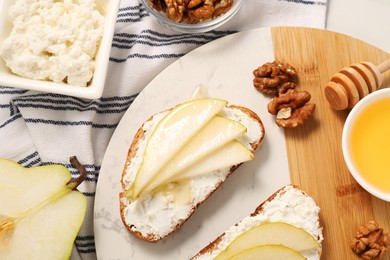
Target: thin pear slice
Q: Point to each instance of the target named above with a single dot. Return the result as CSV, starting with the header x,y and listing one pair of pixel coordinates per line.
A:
x,y
40,213
268,252
172,132
232,153
210,138
271,233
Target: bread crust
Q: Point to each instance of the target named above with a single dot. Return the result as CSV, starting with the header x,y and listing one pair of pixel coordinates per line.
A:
x,y
131,153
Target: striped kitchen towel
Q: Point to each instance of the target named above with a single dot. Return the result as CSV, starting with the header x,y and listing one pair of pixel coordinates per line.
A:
x,y
41,128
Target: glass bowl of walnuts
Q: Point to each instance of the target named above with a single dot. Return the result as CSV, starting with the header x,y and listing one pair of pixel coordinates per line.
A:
x,y
192,16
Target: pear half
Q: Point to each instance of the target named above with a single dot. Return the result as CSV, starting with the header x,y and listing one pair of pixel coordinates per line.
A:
x,y
278,233
216,133
268,252
40,212
172,132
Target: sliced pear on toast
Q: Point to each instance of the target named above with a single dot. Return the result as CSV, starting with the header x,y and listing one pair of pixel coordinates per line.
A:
x,y
279,233
215,134
268,252
232,153
172,132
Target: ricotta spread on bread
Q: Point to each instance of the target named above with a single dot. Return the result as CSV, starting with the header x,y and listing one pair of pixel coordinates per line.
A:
x,y
154,216
290,205
53,40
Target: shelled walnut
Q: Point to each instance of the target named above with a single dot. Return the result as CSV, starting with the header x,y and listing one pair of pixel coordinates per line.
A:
x,y
370,241
192,11
274,78
280,80
291,108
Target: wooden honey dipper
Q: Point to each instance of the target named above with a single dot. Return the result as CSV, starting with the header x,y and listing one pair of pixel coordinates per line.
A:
x,y
354,82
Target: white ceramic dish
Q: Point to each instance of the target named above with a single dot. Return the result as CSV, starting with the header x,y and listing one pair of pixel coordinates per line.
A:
x,y
95,89
355,112
213,65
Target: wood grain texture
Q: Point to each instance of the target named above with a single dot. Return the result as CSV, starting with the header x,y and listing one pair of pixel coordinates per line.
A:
x,y
314,150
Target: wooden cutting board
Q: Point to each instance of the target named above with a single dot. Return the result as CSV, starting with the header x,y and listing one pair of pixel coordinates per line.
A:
x,y
314,151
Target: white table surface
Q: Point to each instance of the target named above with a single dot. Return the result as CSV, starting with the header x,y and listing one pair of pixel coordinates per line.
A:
x,y
367,20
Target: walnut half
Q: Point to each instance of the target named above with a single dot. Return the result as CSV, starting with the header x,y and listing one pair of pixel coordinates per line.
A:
x,y
291,108
370,242
273,78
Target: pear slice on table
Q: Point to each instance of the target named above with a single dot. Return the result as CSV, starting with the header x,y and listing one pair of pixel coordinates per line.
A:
x,y
268,252
279,233
172,132
216,133
40,212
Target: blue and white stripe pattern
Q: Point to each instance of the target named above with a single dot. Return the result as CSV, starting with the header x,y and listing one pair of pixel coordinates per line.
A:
x,y
41,128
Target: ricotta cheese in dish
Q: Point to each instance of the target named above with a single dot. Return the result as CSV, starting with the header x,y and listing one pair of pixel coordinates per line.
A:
x,y
53,40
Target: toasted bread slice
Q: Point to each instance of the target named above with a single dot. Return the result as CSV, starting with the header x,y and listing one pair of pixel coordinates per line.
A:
x,y
154,216
290,205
